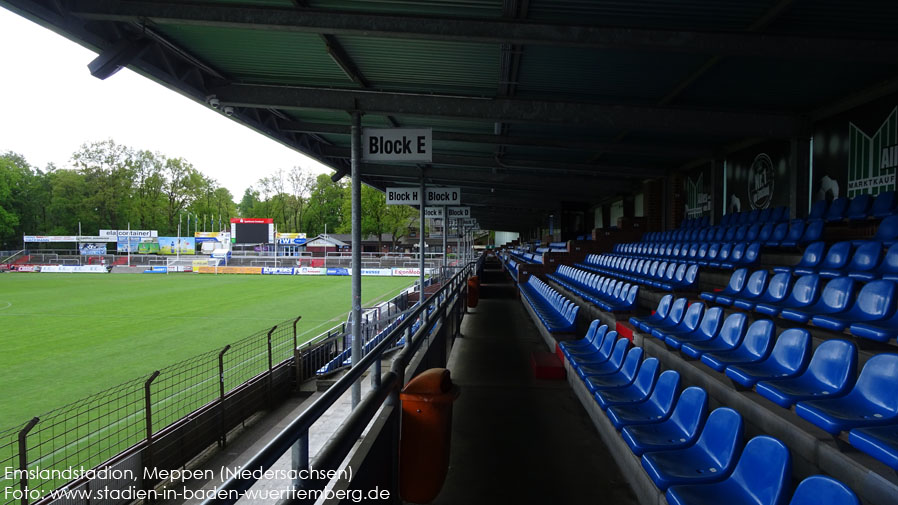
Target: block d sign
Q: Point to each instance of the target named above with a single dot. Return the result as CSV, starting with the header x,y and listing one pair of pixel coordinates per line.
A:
x,y
458,212
397,144
432,196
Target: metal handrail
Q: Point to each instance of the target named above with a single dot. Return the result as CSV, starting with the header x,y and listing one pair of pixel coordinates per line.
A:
x,y
338,446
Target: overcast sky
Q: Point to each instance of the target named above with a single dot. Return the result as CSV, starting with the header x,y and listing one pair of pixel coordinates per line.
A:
x,y
50,105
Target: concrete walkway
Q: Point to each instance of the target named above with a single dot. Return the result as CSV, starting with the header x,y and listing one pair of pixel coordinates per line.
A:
x,y
516,439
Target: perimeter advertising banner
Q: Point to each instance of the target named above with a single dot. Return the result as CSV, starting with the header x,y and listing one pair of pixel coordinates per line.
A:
x,y
148,246
277,271
291,238
309,271
337,271
410,272
378,272
228,270
175,245
74,269
92,249
125,244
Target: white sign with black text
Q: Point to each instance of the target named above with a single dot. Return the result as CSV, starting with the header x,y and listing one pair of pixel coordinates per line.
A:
x,y
433,212
397,144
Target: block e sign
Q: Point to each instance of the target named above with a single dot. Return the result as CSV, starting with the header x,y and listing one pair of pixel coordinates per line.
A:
x,y
397,144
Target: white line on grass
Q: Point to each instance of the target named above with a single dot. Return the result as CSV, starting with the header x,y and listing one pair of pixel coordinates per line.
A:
x,y
8,305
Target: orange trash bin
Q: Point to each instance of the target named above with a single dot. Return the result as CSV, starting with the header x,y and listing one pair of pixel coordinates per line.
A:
x,y
473,291
426,433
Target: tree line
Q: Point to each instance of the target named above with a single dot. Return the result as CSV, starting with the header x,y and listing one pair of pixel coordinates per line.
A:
x,y
110,186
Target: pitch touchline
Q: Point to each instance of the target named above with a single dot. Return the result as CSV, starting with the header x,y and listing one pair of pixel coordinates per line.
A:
x,y
8,305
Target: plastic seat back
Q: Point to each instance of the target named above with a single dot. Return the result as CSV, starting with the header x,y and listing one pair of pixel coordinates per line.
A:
x,y
805,291
818,210
752,253
713,250
813,255
691,410
741,232
719,233
759,338
823,490
779,233
792,350
834,364
887,230
777,289
733,328
866,257
859,207
693,316
632,363
663,306
837,295
837,256
764,216
677,311
796,230
711,322
737,281
764,471
731,232
755,284
836,210
665,392
738,252
766,232
780,214
722,435
647,375
753,231
889,266
813,232
883,205
877,380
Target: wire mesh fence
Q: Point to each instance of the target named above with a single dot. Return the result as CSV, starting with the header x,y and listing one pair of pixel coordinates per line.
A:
x,y
54,448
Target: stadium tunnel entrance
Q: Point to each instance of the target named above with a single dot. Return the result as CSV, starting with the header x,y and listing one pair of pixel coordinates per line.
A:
x,y
699,207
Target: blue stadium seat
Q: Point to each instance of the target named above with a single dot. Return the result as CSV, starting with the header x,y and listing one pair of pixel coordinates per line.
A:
x,y
751,255
872,401
680,430
674,316
711,459
809,262
713,251
609,345
637,391
706,330
761,477
881,442
837,258
655,409
725,220
831,373
752,234
590,342
754,288
729,337
796,231
789,358
822,490
725,250
862,265
804,293
883,205
735,256
887,231
689,323
812,233
619,378
660,313
780,214
888,268
754,348
778,235
836,296
881,331
766,232
859,208
875,301
764,216
612,365
836,210
732,289
818,210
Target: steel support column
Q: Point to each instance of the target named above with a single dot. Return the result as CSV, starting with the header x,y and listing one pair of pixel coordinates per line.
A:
x,y
356,251
421,242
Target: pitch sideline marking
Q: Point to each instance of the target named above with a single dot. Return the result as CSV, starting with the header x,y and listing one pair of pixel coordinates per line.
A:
x,y
8,305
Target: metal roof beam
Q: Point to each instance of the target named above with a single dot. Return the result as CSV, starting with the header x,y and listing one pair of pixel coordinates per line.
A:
x,y
487,30
517,110
645,149
535,166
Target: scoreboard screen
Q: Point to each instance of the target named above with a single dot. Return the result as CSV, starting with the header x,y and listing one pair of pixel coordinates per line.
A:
x,y
252,231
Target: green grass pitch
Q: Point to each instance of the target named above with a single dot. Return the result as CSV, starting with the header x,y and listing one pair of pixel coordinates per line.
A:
x,y
65,336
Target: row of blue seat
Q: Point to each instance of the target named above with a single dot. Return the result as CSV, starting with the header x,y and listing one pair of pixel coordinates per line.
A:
x,y
693,456
868,261
859,208
768,215
823,386
557,313
511,266
605,292
345,357
726,255
668,276
792,233
525,256
871,312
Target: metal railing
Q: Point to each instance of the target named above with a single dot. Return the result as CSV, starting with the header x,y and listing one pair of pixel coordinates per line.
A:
x,y
126,420
428,317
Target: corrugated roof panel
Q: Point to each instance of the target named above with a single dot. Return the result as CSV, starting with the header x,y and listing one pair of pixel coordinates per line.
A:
x,y
779,84
257,56
463,148
864,19
669,14
452,8
561,131
573,72
437,66
444,124
335,117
